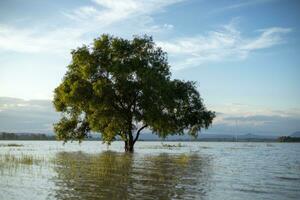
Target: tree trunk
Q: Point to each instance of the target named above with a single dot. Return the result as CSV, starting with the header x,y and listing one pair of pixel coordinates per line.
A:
x,y
129,143
129,146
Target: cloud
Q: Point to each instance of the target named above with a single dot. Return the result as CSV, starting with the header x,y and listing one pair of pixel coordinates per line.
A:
x,y
136,14
243,119
262,124
35,116
36,41
238,109
225,43
82,13
128,17
268,38
242,4
84,22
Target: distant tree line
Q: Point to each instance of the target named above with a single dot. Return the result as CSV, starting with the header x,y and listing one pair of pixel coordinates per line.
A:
x,y
25,136
34,136
288,139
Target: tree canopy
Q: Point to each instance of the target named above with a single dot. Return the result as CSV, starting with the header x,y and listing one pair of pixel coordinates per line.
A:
x,y
118,87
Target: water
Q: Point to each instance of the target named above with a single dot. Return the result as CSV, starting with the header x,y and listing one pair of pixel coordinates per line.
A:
x,y
192,170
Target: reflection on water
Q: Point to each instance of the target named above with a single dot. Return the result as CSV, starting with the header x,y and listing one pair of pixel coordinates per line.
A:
x,y
111,175
195,170
84,176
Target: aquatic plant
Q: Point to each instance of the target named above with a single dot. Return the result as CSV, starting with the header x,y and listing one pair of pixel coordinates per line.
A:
x,y
12,162
172,145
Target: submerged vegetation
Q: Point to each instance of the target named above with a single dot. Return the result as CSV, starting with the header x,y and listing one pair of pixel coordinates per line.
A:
x,y
172,145
26,159
11,163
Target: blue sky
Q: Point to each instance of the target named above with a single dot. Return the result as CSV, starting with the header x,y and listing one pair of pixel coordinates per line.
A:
x,y
243,54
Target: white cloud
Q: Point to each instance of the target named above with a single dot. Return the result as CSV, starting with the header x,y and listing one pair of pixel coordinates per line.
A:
x,y
18,115
269,37
114,10
137,14
242,4
35,41
100,17
158,28
243,118
128,17
250,114
226,43
82,13
237,109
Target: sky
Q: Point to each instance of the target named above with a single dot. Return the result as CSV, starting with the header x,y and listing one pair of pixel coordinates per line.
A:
x,y
243,54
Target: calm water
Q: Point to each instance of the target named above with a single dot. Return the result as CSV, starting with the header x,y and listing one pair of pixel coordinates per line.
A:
x,y
205,170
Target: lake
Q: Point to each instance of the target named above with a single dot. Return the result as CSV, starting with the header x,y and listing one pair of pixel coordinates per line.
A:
x,y
168,170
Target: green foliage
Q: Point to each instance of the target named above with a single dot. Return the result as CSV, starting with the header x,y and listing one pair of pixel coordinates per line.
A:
x,y
116,85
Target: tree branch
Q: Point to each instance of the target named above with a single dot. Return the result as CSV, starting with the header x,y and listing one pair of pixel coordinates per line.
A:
x,y
133,102
138,133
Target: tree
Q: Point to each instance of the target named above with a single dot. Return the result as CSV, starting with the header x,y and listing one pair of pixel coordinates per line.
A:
x,y
119,87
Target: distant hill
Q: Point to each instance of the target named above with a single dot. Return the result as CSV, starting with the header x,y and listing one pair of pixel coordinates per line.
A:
x,y
295,134
249,137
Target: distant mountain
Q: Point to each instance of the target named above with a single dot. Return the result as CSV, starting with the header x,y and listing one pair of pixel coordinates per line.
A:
x,y
249,137
295,134
254,136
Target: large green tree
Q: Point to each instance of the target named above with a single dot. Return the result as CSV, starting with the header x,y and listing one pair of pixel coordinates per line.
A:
x,y
119,87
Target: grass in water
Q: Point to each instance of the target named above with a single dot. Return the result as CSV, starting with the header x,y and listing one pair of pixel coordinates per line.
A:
x,y
11,164
172,145
10,160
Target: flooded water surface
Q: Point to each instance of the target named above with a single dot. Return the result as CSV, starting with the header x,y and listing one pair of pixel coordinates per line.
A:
x,y
169,170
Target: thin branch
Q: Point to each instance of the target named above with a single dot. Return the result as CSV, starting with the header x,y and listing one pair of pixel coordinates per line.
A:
x,y
138,133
